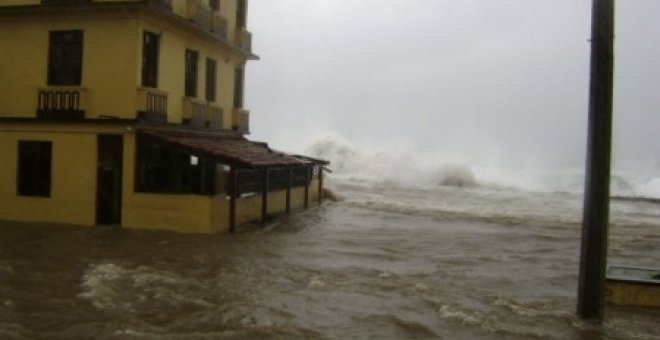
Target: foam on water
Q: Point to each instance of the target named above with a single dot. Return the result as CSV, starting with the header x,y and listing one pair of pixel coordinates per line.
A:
x,y
369,166
107,287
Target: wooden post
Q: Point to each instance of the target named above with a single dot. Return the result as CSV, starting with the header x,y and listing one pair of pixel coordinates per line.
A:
x,y
593,259
264,196
306,187
320,184
288,190
233,193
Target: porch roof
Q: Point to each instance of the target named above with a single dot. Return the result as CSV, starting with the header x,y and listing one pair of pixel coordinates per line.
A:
x,y
229,148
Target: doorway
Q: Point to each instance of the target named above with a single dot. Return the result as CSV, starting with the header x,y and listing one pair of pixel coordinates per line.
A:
x,y
109,179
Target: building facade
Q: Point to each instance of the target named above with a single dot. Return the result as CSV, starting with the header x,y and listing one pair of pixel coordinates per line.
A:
x,y
130,113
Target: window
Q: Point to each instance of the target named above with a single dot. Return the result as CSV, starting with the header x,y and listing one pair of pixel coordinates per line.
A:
x,y
211,75
150,47
34,168
65,57
215,4
238,88
191,73
163,169
241,13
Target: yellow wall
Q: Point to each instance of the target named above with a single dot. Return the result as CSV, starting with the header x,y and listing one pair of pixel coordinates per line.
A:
x,y
111,76
112,52
73,176
73,191
109,63
182,213
173,45
248,209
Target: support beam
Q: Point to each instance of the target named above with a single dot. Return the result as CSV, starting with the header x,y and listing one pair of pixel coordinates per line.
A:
x,y
288,190
233,194
320,184
593,259
264,196
306,187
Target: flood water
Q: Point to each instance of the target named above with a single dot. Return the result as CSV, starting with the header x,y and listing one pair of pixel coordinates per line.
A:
x,y
386,262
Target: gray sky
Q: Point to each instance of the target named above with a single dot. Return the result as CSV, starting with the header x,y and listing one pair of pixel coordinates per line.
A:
x,y
476,81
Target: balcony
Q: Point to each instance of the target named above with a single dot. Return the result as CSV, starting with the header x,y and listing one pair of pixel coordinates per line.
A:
x,y
61,103
241,121
214,117
200,14
244,39
152,105
219,25
194,112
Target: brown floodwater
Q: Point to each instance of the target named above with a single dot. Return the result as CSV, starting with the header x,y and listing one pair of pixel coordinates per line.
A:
x,y
361,268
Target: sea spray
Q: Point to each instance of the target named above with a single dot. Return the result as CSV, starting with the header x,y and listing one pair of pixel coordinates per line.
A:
x,y
370,166
402,167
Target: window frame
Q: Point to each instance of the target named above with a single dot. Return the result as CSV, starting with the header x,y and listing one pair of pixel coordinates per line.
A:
x,y
239,86
191,73
211,79
34,168
65,57
150,59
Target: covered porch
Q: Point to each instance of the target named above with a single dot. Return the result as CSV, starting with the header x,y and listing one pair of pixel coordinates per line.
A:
x,y
215,181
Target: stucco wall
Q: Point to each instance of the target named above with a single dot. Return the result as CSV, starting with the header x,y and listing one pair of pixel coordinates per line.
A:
x,y
110,63
112,57
73,178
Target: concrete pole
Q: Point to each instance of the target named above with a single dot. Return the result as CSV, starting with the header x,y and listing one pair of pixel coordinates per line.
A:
x,y
593,259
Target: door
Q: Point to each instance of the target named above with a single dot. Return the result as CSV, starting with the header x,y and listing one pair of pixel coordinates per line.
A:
x,y
109,179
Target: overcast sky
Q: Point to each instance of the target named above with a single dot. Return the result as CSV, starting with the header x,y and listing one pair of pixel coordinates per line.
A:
x,y
477,81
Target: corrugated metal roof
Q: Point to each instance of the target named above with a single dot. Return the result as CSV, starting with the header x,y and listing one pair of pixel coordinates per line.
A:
x,y
228,148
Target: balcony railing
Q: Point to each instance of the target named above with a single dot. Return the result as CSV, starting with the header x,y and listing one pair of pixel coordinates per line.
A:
x,y
219,25
200,14
214,117
152,105
194,112
61,103
244,39
241,121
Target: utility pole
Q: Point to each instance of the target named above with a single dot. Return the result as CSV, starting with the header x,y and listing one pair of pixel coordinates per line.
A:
x,y
593,259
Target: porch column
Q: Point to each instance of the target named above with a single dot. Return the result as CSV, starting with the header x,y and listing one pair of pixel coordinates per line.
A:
x,y
233,193
288,190
264,196
306,187
320,184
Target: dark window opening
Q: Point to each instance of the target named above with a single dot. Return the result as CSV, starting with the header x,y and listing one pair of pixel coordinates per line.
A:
x,y
150,48
164,169
191,73
211,75
65,57
215,4
238,88
34,168
241,14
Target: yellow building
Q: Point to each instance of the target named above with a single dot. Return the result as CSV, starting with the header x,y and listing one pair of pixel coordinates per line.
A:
x,y
130,112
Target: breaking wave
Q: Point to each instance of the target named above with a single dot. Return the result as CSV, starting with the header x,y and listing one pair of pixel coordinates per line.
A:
x,y
371,166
